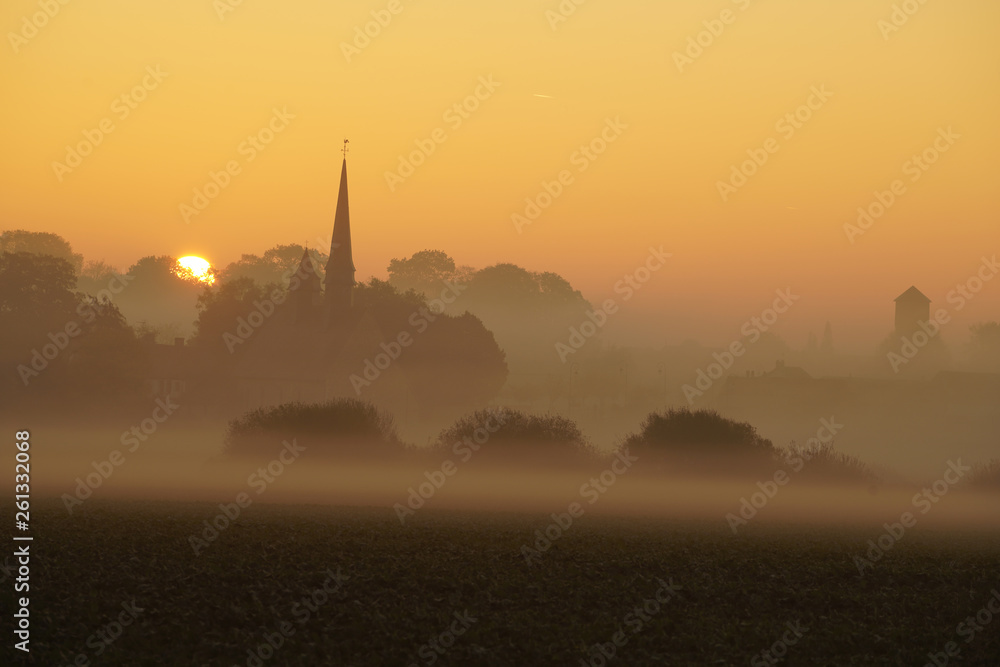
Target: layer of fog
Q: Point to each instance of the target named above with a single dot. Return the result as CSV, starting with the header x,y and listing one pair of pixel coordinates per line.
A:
x,y
183,462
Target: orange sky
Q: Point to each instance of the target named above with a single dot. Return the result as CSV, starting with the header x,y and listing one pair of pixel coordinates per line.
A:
x,y
656,184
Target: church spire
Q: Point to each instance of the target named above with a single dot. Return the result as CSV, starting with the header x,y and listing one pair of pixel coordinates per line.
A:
x,y
340,267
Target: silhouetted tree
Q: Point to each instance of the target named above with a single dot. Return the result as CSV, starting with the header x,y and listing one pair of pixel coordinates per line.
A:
x,y
40,243
387,303
425,272
36,299
32,286
219,309
107,359
96,276
528,312
276,266
157,296
60,344
452,360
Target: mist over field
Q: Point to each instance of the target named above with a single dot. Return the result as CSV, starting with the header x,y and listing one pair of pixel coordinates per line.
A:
x,y
186,460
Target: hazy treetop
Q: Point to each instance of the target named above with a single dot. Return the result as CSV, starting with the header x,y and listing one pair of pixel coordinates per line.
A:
x,y
40,243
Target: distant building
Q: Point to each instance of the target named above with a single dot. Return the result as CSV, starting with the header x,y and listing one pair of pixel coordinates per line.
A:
x,y
912,308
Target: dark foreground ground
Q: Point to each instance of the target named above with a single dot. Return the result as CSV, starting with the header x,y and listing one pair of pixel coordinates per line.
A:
x,y
790,589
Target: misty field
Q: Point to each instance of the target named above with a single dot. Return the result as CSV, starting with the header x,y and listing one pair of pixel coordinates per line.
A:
x,y
351,586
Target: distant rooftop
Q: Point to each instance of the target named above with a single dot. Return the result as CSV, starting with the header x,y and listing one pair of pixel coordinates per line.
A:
x,y
913,294
782,371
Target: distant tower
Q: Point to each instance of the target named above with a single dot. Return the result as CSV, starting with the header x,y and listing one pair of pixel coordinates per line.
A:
x,y
308,296
340,268
912,308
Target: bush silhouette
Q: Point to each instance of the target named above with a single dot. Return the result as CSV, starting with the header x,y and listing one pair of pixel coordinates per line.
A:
x,y
698,438
344,427
509,435
986,475
825,463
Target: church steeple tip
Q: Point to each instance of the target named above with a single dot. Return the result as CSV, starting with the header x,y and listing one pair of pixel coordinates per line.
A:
x,y
340,267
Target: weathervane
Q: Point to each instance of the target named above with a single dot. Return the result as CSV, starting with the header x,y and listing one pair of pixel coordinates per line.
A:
x,y
345,149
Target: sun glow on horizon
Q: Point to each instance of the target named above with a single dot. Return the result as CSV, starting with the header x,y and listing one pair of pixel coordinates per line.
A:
x,y
195,268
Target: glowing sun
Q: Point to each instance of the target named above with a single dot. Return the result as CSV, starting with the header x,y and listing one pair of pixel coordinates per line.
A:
x,y
196,269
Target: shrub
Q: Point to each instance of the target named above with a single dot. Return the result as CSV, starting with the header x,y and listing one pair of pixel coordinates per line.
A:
x,y
512,435
344,426
986,475
825,463
700,441
689,436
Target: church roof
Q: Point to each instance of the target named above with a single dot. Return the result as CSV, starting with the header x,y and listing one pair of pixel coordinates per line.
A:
x,y
912,294
308,278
